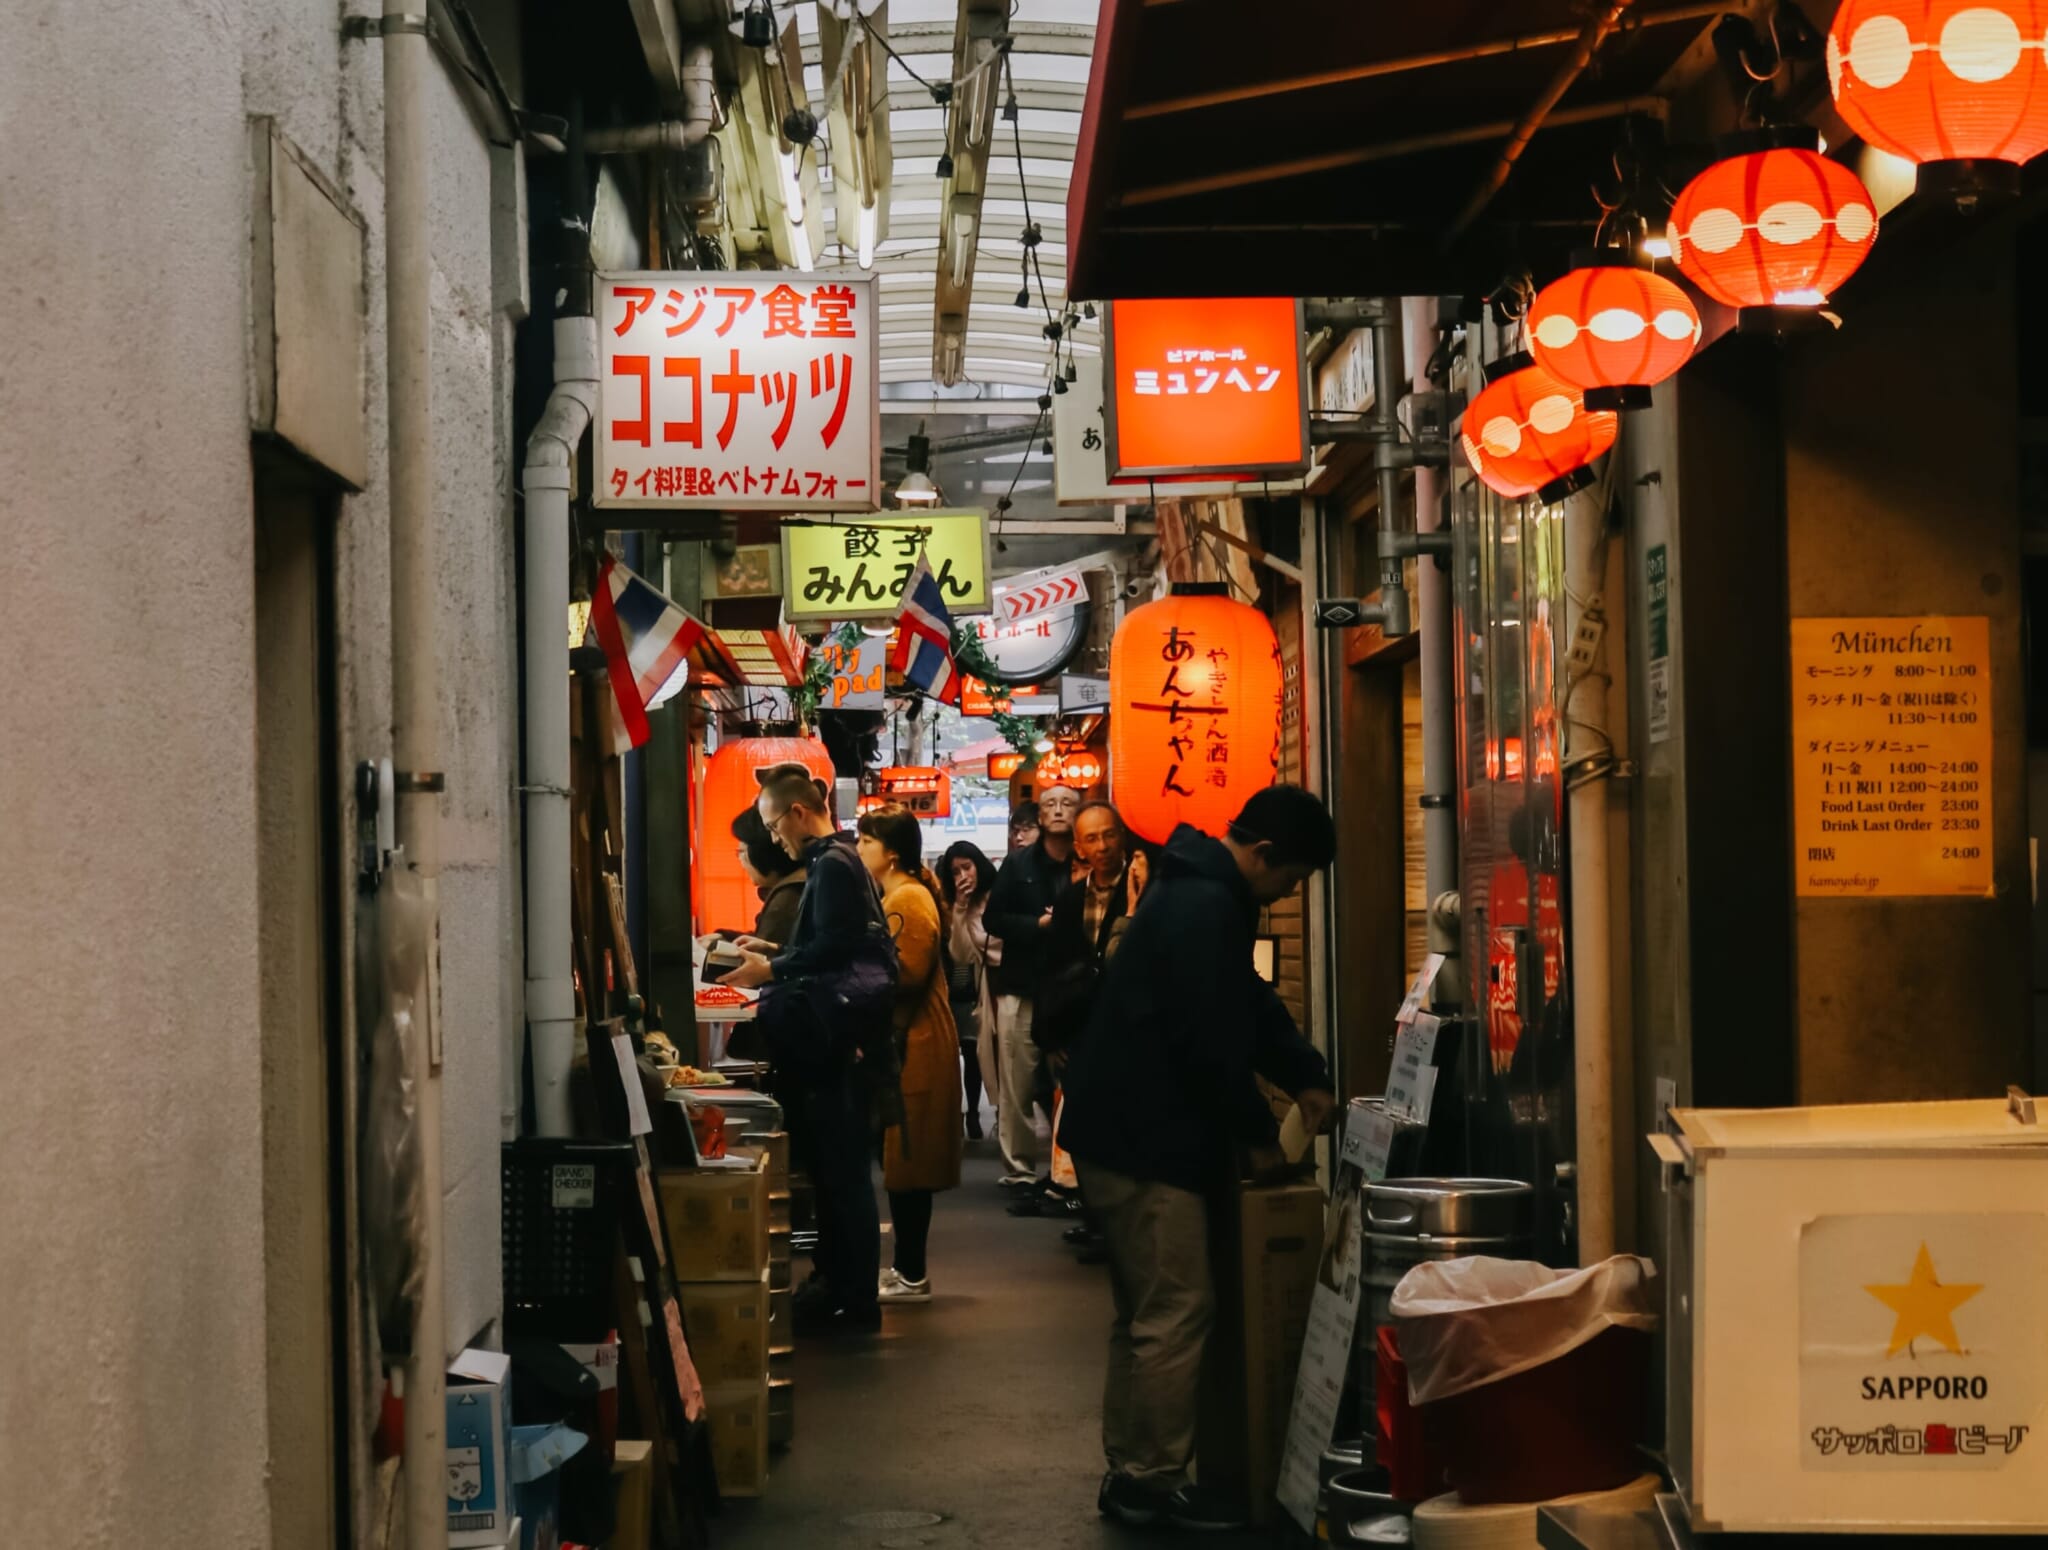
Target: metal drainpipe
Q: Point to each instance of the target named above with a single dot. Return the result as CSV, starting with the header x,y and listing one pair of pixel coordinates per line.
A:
x,y
548,473
415,710
1439,703
1388,456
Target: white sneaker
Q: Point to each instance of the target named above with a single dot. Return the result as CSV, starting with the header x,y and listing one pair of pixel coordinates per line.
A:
x,y
891,1287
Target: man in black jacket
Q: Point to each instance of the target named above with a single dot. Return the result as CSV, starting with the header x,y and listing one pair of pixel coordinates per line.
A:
x,y
1020,913
1159,1094
834,922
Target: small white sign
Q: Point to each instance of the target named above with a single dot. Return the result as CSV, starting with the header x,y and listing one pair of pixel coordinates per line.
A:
x,y
638,1122
1418,988
1368,1142
1412,1080
1078,692
574,1186
1040,594
1325,1360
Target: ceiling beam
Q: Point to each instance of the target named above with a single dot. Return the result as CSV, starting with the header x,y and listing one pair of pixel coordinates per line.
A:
x,y
1382,150
1373,69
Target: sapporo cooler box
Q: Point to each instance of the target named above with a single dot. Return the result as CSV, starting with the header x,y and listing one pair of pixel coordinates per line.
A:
x,y
1858,1318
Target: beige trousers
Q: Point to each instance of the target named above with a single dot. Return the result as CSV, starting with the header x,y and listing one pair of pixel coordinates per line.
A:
x,y
1158,1242
1019,1056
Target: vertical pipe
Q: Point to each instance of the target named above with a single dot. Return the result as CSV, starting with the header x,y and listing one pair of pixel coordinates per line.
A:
x,y
415,711
1587,761
1387,379
550,466
1439,704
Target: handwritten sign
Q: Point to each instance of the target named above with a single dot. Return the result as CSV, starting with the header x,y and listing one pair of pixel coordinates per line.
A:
x,y
1891,756
756,391
858,570
1412,1081
860,674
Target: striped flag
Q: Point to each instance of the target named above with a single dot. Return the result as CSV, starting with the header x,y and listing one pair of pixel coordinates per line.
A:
x,y
647,642
924,637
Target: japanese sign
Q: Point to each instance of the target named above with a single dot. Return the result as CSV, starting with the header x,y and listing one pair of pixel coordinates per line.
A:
x,y
737,392
1080,453
980,699
1891,756
858,570
1657,618
925,789
1920,1343
1412,1081
1206,386
860,674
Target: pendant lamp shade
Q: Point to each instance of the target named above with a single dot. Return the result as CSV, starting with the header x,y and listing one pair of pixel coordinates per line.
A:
x,y
1195,689
720,894
1612,329
1773,224
1945,82
1530,433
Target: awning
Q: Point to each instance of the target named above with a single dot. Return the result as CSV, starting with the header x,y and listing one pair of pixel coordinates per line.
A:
x,y
1327,148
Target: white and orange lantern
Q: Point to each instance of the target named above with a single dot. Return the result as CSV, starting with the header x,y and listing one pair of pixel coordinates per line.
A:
x,y
1613,329
1773,227
1957,87
1530,433
1195,688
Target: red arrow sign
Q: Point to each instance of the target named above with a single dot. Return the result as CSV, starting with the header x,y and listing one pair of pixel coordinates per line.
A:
x,y
1028,597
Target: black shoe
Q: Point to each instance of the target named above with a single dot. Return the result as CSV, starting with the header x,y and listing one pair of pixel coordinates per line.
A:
x,y
1204,1511
1131,1501
841,1320
1102,1492
1078,1236
1027,1205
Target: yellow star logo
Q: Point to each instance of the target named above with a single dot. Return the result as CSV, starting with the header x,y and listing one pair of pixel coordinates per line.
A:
x,y
1924,1306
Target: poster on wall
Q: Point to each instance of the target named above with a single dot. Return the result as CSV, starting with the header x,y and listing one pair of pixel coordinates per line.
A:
x,y
738,392
1891,757
1919,1342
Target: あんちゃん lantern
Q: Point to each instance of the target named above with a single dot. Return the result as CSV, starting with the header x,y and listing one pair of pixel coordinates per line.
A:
x,y
1612,328
1528,433
1773,227
1195,689
1958,87
720,894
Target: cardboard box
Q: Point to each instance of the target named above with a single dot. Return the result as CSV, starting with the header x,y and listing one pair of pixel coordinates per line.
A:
x,y
717,1222
738,1415
778,1260
776,1145
1268,1244
633,1496
727,1323
778,1212
479,1436
781,1412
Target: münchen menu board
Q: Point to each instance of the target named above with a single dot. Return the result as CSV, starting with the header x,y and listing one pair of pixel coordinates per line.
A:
x,y
1891,755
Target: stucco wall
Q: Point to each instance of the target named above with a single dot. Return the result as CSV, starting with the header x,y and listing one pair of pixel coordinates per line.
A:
x,y
132,1402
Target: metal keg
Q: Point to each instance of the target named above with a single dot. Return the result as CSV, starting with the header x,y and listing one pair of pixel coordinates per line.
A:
x,y
1409,1221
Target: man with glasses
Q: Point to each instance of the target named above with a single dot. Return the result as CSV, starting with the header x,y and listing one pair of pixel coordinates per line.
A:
x,y
835,924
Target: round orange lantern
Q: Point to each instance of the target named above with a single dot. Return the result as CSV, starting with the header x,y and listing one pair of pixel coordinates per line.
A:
x,y
1612,328
1530,433
1195,688
1773,227
721,896
1959,87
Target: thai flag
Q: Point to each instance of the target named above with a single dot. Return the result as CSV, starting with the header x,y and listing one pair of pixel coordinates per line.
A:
x,y
924,637
647,642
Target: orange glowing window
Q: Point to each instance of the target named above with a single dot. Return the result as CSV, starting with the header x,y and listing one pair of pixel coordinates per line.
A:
x,y
1205,386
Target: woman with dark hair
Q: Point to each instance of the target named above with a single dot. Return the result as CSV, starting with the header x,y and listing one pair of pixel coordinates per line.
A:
x,y
965,878
921,1156
777,876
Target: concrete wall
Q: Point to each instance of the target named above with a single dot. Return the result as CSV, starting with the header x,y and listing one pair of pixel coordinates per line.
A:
x,y
132,1248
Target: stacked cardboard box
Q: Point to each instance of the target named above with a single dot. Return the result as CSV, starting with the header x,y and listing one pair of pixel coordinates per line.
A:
x,y
1269,1244
718,1230
781,1329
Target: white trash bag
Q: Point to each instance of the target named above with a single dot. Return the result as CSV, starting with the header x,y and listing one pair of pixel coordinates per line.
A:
x,y
1463,1323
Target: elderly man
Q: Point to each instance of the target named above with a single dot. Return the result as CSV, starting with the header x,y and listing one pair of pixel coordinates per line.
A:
x,y
1020,913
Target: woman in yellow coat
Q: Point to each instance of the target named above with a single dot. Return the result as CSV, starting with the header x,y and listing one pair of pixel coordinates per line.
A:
x,y
921,1156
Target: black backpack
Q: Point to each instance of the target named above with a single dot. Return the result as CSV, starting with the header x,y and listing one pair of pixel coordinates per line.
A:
x,y
814,1027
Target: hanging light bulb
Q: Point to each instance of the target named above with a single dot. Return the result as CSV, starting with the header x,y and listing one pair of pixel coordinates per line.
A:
x,y
917,488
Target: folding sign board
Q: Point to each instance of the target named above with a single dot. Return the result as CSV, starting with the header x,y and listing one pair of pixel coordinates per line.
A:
x,y
923,788
858,570
738,392
1205,386
1080,454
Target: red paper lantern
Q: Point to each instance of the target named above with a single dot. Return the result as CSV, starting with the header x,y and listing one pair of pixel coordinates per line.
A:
x,y
1774,227
1613,329
1959,87
1195,689
720,894
1530,433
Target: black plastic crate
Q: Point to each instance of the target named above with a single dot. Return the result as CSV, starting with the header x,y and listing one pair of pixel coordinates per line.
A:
x,y
562,1201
